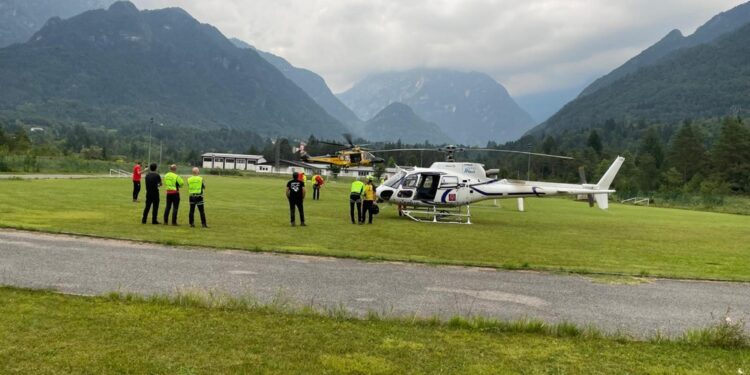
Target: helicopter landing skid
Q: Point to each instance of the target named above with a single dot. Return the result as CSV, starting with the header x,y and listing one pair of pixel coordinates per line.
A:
x,y
441,216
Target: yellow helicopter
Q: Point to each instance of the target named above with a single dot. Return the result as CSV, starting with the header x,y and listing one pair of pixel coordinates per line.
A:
x,y
350,156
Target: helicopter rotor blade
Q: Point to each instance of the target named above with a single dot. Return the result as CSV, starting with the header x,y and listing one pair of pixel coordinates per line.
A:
x,y
406,149
519,152
332,143
348,137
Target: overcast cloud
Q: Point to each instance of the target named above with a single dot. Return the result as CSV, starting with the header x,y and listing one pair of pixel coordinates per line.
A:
x,y
530,46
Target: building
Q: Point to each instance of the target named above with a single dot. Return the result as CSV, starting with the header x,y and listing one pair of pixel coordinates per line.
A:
x,y
232,161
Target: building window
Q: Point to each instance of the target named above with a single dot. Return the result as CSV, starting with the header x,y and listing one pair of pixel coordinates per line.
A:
x,y
207,160
230,160
363,173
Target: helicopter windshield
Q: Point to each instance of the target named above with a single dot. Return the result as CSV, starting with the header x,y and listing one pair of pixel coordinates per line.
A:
x,y
395,180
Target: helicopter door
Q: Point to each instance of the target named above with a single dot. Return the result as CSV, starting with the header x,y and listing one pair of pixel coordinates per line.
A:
x,y
428,187
356,158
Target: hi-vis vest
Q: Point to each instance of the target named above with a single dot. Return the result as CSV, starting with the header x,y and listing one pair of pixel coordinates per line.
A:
x,y
357,187
172,181
195,185
315,179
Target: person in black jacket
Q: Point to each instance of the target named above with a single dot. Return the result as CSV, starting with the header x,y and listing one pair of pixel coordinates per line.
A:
x,y
153,181
295,193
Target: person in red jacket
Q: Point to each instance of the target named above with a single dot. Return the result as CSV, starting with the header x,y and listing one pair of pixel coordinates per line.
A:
x,y
137,173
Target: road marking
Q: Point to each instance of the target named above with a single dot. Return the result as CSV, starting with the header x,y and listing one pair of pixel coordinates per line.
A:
x,y
492,295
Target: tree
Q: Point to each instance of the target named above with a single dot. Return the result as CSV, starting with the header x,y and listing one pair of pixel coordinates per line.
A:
x,y
595,142
651,143
21,141
687,153
335,170
731,155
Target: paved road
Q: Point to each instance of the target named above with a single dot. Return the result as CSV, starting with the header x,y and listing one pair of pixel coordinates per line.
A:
x,y
93,266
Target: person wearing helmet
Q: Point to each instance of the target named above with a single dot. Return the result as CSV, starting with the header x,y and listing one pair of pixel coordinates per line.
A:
x,y
355,199
295,193
368,201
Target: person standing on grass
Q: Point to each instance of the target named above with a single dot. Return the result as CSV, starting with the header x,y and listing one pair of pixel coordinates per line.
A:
x,y
368,201
317,182
136,180
172,183
196,188
153,181
295,193
355,199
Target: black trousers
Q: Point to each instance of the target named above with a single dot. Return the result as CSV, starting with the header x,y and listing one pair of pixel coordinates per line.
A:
x,y
151,201
197,201
296,203
173,200
316,192
136,189
366,208
355,200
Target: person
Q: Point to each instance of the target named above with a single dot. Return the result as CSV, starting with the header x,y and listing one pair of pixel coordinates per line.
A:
x,y
172,183
368,201
137,173
355,199
317,182
153,181
295,193
196,188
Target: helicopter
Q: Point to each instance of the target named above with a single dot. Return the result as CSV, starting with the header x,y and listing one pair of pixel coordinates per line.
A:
x,y
350,156
444,192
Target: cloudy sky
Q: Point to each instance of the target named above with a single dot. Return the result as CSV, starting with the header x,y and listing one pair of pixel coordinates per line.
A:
x,y
530,46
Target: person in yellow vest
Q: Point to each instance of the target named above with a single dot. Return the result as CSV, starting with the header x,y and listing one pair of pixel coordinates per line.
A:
x,y
368,201
172,183
355,199
317,182
196,188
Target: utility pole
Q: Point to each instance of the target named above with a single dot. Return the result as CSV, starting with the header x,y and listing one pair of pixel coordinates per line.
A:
x,y
528,166
150,125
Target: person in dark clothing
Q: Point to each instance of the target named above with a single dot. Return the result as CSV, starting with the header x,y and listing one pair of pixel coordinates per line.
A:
x,y
295,193
153,181
172,183
136,180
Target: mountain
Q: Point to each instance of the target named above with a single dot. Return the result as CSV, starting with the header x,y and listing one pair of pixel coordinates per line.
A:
x,y
122,65
543,105
717,26
20,19
471,108
709,80
310,82
398,121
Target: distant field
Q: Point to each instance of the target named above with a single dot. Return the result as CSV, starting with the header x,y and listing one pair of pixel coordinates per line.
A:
x,y
554,234
45,333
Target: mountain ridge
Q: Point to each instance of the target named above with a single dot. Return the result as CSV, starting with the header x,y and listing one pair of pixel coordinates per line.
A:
x,y
470,107
123,64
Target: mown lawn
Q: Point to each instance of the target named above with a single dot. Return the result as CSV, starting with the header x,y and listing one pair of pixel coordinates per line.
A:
x,y
45,333
554,234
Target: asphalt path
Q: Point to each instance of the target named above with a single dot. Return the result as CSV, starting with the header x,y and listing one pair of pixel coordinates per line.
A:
x,y
89,266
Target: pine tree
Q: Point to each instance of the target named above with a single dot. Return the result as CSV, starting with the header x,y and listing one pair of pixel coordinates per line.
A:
x,y
687,153
595,142
731,155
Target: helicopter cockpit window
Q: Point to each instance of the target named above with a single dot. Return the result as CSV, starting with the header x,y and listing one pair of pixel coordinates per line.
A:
x,y
411,181
394,181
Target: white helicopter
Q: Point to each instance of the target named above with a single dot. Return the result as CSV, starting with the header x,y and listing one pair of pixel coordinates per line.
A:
x,y
439,193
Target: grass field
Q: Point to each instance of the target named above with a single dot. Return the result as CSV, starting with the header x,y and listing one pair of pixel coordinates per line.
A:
x,y
554,234
45,333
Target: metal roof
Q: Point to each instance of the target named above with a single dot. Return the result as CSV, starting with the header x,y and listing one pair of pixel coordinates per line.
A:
x,y
236,156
